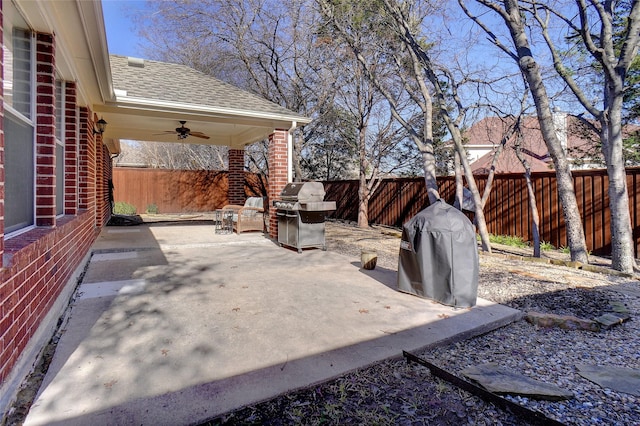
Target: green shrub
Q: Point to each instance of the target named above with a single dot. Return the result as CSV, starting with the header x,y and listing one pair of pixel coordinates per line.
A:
x,y
508,240
152,209
545,246
124,208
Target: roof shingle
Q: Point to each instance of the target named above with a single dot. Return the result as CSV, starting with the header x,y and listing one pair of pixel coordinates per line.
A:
x,y
169,82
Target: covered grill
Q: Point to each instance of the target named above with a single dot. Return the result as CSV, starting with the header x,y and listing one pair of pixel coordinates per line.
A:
x,y
439,256
301,212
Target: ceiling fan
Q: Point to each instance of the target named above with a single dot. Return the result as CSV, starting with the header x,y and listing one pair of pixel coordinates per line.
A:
x,y
184,132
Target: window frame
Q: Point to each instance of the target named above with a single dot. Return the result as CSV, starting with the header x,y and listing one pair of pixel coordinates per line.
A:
x,y
60,146
12,113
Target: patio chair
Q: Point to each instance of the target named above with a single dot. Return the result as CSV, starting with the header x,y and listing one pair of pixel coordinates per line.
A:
x,y
250,217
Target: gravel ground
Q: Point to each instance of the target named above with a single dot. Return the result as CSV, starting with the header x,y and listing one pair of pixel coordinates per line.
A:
x,y
397,393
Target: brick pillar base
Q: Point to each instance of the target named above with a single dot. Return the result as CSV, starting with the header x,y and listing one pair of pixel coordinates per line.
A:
x,y
236,177
277,174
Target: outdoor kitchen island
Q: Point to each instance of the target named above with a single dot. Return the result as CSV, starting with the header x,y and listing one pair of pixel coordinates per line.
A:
x,y
301,212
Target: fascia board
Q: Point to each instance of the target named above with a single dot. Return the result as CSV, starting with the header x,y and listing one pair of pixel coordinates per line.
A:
x,y
204,110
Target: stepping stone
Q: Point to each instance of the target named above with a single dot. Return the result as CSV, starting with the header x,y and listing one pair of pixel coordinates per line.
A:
x,y
498,379
608,320
619,379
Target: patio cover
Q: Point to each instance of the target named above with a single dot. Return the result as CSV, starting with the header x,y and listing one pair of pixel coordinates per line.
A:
x,y
151,97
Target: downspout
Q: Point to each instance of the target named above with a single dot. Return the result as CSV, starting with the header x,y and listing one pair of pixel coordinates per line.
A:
x,y
294,125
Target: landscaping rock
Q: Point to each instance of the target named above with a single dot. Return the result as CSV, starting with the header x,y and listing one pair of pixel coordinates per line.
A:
x,y
619,379
610,319
566,322
498,379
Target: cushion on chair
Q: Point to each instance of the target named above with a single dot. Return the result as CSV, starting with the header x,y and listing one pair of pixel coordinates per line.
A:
x,y
255,202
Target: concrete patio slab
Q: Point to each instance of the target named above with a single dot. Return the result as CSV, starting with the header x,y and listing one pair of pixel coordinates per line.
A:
x,y
184,325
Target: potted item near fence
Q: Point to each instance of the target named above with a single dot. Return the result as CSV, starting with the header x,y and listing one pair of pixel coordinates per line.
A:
x,y
368,259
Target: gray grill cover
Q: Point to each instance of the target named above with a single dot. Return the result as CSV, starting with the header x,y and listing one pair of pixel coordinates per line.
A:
x,y
439,256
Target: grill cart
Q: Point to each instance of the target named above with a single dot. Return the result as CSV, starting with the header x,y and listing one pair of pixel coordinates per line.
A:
x,y
301,212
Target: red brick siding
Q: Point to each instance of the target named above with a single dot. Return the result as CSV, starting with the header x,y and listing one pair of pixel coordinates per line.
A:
x,y
104,166
45,131
236,176
38,264
42,261
87,161
99,180
70,150
277,158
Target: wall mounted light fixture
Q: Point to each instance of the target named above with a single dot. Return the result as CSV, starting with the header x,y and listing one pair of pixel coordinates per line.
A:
x,y
101,127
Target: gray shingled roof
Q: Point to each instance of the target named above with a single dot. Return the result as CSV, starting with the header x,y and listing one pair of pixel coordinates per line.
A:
x,y
179,83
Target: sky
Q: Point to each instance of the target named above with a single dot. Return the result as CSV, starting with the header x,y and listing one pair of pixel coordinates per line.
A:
x,y
121,34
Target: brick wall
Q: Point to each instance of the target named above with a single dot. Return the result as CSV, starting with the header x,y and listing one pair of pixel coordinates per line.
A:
x,y
40,266
104,175
70,150
86,163
45,131
41,263
236,176
100,181
277,158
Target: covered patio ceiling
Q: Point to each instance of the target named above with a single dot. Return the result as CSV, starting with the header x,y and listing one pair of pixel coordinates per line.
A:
x,y
146,123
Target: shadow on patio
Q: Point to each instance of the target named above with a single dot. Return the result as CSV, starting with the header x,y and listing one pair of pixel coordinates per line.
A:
x,y
174,324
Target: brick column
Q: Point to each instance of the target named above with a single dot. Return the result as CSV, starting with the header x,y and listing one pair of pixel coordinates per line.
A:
x,y
103,174
45,131
99,176
70,150
86,162
1,142
277,158
236,177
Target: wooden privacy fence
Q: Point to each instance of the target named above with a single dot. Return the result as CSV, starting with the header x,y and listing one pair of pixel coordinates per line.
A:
x,y
178,191
397,200
507,210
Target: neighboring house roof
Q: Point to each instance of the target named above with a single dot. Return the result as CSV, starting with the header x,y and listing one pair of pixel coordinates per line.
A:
x,y
487,134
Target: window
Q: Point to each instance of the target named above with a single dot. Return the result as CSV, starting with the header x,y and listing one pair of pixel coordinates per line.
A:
x,y
19,162
60,147
19,172
17,71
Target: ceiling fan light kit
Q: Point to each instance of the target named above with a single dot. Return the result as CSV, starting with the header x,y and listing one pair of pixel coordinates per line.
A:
x,y
184,132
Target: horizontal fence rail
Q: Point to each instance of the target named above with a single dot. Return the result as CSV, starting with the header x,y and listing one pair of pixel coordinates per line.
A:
x,y
398,200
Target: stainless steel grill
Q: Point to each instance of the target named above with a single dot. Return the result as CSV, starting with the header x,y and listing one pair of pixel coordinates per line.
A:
x,y
301,212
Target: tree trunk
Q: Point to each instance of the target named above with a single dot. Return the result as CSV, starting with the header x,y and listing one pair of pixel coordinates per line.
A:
x,y
363,210
480,221
566,191
459,184
622,253
533,206
363,190
429,167
296,156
